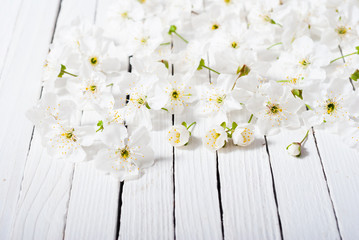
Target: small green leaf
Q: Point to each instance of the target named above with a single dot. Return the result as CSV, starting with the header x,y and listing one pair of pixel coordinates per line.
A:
x,y
100,124
297,93
357,48
272,21
355,75
165,62
147,106
309,107
165,109
201,64
109,85
173,29
234,126
243,70
223,124
62,71
184,124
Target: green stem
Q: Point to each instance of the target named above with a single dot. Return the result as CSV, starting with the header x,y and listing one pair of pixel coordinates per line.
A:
x,y
69,73
276,44
166,43
343,56
250,119
194,123
181,37
306,135
211,69
283,81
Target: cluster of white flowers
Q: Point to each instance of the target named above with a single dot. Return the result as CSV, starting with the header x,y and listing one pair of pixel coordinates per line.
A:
x,y
248,67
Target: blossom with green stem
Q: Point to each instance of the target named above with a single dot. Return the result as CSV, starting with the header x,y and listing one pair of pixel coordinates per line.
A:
x,y
62,72
173,29
294,149
347,55
202,65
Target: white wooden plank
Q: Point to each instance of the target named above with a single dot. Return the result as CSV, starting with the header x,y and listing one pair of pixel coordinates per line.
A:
x,y
305,206
42,206
9,13
341,165
92,212
197,203
19,90
41,209
249,209
147,203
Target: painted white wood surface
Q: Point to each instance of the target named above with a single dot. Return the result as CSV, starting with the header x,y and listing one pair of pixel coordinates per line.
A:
x,y
19,90
63,201
301,189
341,165
196,203
9,13
147,203
249,209
43,204
92,210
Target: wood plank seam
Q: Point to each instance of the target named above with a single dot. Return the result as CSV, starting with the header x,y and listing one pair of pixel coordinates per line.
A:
x,y
118,224
218,177
274,188
73,165
119,207
326,182
33,128
219,194
321,162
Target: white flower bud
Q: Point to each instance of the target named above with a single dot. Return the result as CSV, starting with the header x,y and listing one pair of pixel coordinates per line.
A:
x,y
294,149
178,136
215,138
243,135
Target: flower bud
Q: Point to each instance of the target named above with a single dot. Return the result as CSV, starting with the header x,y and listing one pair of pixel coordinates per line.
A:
x,y
215,138
243,135
178,136
294,149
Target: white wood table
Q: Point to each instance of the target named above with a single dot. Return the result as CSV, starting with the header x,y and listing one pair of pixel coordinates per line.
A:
x,y
238,193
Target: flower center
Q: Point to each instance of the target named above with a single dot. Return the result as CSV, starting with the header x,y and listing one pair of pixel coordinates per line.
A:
x,y
304,62
215,26
125,153
144,40
140,101
124,14
70,135
93,61
274,108
341,30
175,95
93,88
220,99
331,106
234,44
227,1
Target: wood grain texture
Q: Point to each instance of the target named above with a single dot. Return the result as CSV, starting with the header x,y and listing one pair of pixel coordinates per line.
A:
x,y
304,203
42,208
249,209
9,13
92,212
147,203
197,204
341,165
20,88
